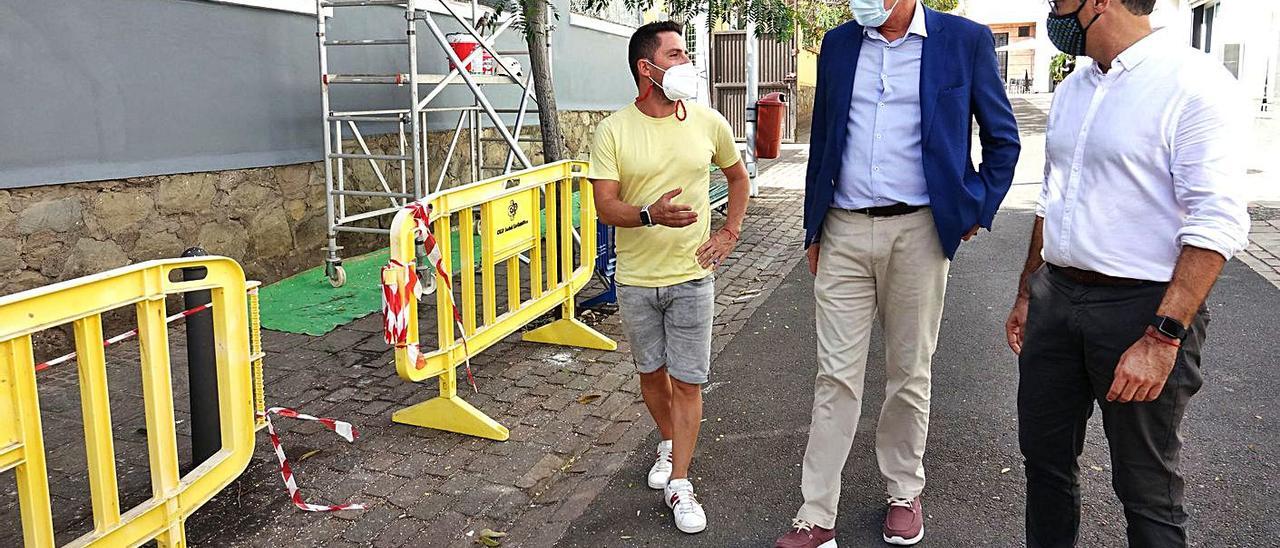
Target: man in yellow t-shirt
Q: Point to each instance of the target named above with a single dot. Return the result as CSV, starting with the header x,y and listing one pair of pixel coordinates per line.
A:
x,y
650,170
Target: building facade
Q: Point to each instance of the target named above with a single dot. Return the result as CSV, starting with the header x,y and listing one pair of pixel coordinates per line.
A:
x,y
1022,46
1243,34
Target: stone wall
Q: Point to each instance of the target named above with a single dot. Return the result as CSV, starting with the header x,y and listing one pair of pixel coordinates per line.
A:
x,y
271,220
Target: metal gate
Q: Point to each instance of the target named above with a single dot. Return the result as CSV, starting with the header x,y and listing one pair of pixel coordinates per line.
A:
x,y
729,75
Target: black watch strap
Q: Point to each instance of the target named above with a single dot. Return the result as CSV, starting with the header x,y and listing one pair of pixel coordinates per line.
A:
x,y
1169,327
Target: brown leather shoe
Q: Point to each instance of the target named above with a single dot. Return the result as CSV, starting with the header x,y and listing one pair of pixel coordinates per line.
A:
x,y
807,535
904,524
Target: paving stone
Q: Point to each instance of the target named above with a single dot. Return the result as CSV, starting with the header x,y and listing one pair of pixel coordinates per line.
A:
x,y
414,490
430,505
545,467
509,506
613,433
612,405
544,390
581,382
400,532
321,533
478,499
341,395
577,501
447,530
374,408
591,426
560,378
341,339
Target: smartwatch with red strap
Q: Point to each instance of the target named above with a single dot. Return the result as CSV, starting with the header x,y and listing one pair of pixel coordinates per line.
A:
x,y
1167,330
1169,327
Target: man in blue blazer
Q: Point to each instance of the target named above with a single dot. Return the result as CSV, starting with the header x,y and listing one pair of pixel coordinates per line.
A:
x,y
890,193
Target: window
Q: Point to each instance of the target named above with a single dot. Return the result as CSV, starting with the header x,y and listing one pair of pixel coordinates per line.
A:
x,y
1197,27
1210,13
1231,58
1202,18
1024,31
1002,39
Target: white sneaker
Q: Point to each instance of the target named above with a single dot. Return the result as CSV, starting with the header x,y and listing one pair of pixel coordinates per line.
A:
x,y
660,473
688,513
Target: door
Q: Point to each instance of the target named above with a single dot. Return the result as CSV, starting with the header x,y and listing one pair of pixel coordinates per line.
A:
x,y
777,66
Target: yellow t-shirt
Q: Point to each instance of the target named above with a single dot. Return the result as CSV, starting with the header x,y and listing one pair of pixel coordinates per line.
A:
x,y
650,157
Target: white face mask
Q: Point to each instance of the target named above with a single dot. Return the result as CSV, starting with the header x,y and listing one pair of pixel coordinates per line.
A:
x,y
680,83
870,13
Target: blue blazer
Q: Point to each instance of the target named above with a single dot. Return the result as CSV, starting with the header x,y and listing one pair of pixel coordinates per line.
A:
x,y
959,81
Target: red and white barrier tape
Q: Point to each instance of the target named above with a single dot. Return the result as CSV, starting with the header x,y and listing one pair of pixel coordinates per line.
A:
x,y
343,429
122,337
395,300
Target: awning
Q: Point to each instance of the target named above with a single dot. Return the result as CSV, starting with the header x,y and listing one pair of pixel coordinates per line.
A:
x,y
1022,45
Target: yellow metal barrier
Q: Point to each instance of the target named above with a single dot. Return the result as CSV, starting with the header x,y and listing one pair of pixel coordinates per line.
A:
x,y
82,302
512,211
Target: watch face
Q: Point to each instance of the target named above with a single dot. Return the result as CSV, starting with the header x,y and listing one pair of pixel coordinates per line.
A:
x,y
1170,327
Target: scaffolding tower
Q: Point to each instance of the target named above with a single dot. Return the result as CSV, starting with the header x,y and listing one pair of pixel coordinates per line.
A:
x,y
421,98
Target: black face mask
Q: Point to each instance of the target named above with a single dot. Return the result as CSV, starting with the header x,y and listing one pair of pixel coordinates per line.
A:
x,y
1066,32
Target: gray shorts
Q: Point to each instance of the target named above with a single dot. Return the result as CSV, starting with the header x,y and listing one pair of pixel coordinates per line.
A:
x,y
670,326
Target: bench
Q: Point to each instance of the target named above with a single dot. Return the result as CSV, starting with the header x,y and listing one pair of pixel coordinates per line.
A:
x,y
719,195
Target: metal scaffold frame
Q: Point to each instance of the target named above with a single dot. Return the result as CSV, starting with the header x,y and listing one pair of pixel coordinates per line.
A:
x,y
411,122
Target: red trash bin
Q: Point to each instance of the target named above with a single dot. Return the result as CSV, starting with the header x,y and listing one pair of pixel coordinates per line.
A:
x,y
770,112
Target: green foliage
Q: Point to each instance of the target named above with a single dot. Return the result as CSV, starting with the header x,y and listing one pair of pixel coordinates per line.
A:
x,y
520,9
942,5
1060,66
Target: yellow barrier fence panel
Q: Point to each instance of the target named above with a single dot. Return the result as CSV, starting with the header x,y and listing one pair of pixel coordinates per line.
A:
x,y
96,409
81,302
24,442
513,211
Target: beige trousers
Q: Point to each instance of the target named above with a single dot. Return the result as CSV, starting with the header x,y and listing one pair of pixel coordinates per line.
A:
x,y
891,269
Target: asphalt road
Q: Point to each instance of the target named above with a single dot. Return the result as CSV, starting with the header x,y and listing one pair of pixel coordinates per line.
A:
x,y
757,415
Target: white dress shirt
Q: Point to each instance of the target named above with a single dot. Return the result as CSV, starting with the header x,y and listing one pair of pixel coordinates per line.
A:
x,y
1143,160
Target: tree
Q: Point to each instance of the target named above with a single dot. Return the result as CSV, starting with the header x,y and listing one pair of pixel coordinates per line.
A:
x,y
537,34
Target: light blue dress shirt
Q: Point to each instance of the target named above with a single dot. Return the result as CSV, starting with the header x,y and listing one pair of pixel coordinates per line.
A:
x,y
882,154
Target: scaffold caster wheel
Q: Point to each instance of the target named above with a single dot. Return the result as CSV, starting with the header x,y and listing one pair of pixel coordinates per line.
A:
x,y
339,277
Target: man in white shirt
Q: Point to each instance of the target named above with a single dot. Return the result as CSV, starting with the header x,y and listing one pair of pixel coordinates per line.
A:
x,y
1141,207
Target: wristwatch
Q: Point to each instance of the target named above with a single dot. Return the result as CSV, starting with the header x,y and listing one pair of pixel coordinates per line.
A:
x,y
645,219
1169,327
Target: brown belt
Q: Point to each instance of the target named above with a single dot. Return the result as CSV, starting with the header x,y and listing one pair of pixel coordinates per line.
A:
x,y
1089,277
889,210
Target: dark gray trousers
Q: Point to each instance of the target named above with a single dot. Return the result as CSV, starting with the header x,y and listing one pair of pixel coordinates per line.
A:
x,y
1075,335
